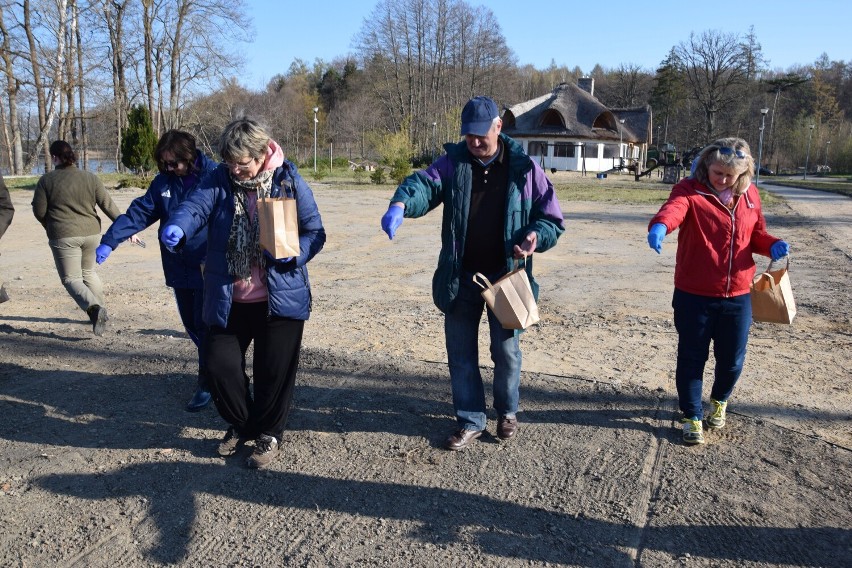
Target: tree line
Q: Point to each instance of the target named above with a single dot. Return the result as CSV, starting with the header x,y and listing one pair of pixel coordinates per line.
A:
x,y
75,69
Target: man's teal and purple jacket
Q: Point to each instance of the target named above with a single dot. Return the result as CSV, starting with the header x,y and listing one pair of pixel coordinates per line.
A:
x,y
531,205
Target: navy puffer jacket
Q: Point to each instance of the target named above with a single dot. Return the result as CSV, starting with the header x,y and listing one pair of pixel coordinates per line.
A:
x,y
166,192
211,205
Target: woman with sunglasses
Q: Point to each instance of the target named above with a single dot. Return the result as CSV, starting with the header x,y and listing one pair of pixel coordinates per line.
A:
x,y
181,167
249,296
718,212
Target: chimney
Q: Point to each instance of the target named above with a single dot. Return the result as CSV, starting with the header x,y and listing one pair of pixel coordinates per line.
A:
x,y
587,84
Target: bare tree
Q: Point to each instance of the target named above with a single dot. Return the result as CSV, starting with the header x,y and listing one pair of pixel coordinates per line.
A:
x,y
714,66
627,86
79,74
12,126
113,12
46,101
426,57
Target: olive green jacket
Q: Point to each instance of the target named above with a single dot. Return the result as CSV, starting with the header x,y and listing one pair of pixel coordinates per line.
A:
x,y
64,203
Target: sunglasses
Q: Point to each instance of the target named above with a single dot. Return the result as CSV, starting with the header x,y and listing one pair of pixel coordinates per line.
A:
x,y
173,164
240,167
728,151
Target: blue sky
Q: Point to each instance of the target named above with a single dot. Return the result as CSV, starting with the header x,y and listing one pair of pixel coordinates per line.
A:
x,y
608,33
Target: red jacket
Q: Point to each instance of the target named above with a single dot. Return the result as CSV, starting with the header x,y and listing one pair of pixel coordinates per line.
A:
x,y
715,244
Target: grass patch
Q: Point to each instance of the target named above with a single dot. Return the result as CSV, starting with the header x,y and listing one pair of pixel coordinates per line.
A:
x,y
21,182
110,181
613,189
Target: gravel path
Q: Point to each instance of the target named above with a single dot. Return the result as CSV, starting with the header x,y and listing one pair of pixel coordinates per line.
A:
x,y
100,465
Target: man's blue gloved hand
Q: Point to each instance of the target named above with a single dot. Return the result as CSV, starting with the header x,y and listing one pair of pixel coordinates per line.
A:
x,y
392,220
656,236
269,256
171,235
102,253
779,249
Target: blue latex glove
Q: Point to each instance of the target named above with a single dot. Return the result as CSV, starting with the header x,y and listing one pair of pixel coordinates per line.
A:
x,y
392,220
102,253
171,235
269,256
779,249
656,236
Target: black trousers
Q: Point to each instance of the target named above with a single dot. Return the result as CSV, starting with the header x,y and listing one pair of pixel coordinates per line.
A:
x,y
277,342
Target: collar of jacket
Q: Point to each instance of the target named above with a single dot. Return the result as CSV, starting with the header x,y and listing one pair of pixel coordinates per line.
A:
x,y
700,189
518,160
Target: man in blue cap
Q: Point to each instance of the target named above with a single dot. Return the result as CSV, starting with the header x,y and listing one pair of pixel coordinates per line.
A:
x,y
498,207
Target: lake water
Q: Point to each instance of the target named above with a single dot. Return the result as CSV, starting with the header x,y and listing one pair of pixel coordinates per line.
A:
x,y
96,166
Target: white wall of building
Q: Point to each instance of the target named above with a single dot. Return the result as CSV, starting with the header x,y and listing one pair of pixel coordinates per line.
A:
x,y
599,156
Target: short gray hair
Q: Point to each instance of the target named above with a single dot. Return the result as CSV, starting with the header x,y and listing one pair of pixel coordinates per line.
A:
x,y
243,137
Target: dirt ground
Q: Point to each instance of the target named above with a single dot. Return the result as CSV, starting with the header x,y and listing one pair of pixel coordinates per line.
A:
x,y
101,466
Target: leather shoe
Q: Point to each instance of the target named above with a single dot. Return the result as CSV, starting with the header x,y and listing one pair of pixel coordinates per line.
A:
x,y
459,439
506,427
199,400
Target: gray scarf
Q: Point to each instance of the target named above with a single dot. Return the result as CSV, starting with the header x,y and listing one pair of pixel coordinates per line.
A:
x,y
244,239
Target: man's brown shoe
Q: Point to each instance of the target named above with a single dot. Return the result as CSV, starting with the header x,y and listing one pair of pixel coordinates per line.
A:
x,y
506,427
459,439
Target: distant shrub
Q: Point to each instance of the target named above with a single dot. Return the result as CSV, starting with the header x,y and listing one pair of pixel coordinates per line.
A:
x,y
400,170
359,175
378,176
138,142
132,181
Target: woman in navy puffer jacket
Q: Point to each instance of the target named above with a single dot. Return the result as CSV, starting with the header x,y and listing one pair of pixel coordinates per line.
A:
x,y
181,167
248,295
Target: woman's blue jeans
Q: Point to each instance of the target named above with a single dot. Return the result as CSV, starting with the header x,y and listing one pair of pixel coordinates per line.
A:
x,y
461,331
698,320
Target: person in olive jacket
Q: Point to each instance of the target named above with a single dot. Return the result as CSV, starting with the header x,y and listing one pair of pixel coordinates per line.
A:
x,y
7,211
64,203
181,167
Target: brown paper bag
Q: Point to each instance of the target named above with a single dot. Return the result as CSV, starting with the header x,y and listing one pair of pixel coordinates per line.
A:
x,y
510,298
278,225
772,296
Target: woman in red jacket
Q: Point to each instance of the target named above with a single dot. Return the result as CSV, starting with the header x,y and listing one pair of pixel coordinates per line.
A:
x,y
721,224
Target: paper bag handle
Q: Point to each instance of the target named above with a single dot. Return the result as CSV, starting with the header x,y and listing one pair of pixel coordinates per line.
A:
x,y
479,278
772,262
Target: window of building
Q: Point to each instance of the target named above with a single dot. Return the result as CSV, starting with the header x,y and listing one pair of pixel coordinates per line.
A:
x,y
610,151
552,119
537,148
563,150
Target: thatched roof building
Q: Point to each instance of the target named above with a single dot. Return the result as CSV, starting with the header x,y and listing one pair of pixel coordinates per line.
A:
x,y
569,129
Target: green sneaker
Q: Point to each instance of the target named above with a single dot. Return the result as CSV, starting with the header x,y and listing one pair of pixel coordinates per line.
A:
x,y
693,433
717,417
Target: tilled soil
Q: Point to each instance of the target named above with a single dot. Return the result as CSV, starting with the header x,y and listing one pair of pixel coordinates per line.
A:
x,y
101,466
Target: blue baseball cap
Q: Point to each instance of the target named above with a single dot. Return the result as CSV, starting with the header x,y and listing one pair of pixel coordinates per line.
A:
x,y
477,116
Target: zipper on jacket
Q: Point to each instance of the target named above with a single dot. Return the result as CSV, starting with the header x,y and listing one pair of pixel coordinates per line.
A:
x,y
732,213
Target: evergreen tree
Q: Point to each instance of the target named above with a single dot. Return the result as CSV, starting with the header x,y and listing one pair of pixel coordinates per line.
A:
x,y
138,142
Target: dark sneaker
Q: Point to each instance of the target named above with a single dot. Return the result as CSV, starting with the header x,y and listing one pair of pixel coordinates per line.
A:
x,y
265,451
230,443
98,317
199,400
